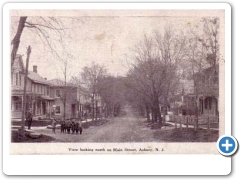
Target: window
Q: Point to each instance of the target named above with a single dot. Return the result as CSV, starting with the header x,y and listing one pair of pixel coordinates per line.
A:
x,y
208,103
17,79
57,92
17,103
58,110
47,90
20,80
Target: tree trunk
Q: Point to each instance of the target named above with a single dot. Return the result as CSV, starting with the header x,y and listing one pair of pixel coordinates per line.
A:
x,y
147,113
93,110
152,109
65,92
16,40
196,112
96,110
112,111
157,113
25,89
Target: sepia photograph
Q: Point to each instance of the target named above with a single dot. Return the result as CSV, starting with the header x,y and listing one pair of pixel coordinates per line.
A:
x,y
154,77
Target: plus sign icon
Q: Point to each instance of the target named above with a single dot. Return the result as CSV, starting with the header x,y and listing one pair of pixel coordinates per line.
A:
x,y
227,145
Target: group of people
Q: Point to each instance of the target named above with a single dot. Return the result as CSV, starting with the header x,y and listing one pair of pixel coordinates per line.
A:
x,y
68,125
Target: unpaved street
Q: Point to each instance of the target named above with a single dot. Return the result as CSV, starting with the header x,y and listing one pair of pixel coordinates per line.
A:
x,y
119,129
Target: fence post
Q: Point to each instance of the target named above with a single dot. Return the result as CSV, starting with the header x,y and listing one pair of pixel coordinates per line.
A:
x,y
187,122
175,121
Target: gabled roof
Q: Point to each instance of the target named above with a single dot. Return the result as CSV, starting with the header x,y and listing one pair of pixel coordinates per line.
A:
x,y
18,59
35,77
59,83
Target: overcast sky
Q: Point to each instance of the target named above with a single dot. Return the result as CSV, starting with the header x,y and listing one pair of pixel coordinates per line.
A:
x,y
104,40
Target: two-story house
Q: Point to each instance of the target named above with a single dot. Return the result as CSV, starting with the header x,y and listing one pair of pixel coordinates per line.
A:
x,y
207,89
64,94
200,94
205,96
37,91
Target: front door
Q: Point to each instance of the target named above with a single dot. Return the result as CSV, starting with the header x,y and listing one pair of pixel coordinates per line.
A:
x,y
44,107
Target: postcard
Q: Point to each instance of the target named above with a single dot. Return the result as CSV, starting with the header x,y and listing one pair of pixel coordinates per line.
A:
x,y
100,81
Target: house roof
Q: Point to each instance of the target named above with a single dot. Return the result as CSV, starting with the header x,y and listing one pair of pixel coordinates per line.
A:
x,y
59,83
18,56
35,77
18,61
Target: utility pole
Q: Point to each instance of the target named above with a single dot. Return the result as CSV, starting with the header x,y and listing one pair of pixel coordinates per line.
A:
x,y
24,92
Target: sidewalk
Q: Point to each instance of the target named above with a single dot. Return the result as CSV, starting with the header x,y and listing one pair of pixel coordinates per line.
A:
x,y
43,127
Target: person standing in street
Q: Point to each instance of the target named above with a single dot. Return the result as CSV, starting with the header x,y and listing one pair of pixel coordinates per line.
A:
x,y
54,123
80,126
29,118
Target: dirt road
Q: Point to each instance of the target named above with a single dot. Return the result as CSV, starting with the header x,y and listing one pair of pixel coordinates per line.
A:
x,y
119,129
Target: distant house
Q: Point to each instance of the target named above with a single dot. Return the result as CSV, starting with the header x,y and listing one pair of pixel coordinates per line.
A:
x,y
178,101
207,89
64,93
200,96
37,91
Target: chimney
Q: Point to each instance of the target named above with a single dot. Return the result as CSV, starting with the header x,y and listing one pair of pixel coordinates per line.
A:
x,y
35,69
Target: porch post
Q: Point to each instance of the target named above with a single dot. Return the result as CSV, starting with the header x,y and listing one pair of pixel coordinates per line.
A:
x,y
49,112
22,103
41,108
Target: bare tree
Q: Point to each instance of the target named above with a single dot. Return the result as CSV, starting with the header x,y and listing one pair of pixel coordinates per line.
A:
x,y
50,30
171,48
112,94
155,72
25,90
91,77
16,40
83,93
210,41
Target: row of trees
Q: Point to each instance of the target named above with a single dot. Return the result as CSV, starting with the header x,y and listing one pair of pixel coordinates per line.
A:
x,y
162,61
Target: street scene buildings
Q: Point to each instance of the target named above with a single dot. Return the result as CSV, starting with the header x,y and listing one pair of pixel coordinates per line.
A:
x,y
129,78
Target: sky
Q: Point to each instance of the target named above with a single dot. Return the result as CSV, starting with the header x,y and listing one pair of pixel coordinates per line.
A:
x,y
105,40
